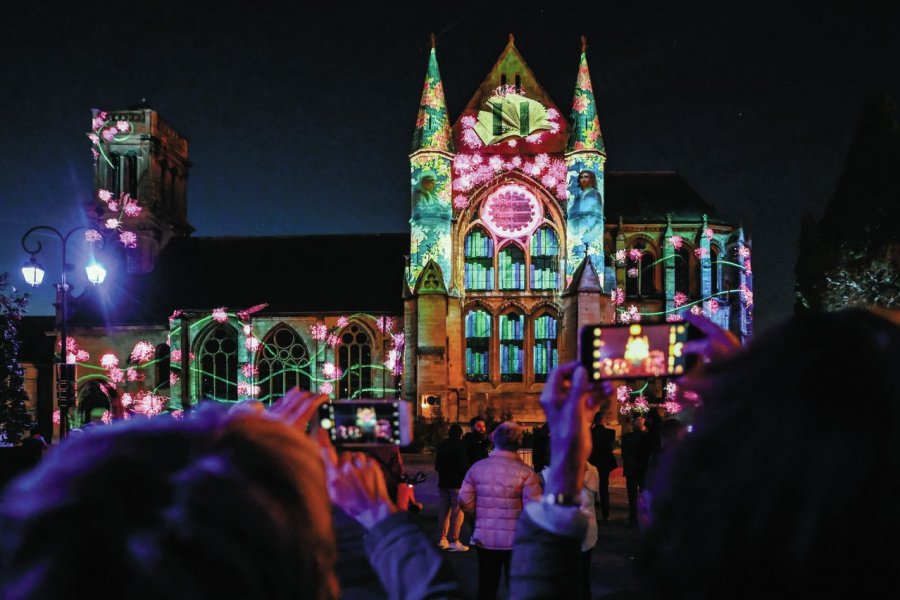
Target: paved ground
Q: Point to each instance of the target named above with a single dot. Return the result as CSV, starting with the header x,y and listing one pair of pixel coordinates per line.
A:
x,y
610,561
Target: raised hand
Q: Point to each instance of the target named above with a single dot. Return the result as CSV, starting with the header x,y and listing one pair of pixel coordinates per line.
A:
x,y
355,484
297,407
569,402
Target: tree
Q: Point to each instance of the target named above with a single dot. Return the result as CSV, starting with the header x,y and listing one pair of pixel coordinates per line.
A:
x,y
850,257
14,418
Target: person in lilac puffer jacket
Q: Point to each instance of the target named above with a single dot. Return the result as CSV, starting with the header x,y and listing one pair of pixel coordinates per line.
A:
x,y
494,491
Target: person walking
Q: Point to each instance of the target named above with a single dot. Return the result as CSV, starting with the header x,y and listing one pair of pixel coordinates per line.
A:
x,y
602,441
495,490
451,461
635,460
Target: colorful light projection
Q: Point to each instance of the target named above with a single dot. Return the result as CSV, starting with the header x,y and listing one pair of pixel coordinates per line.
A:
x,y
509,120
104,129
585,213
319,367
708,306
512,211
118,382
118,210
431,214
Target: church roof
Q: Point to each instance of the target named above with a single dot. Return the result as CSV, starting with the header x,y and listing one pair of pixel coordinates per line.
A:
x,y
292,274
432,123
647,197
510,69
585,132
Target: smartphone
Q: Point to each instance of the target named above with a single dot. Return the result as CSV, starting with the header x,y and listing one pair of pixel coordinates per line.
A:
x,y
367,422
636,351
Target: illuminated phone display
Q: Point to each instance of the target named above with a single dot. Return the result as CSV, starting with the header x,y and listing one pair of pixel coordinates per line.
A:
x,y
367,422
634,351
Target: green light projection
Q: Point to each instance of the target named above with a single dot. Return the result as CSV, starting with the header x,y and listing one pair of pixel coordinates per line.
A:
x,y
431,214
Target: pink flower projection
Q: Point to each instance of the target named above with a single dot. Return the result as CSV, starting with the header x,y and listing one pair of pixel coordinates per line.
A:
x,y
109,360
219,315
143,351
679,298
636,254
620,257
701,252
121,208
676,241
319,331
672,407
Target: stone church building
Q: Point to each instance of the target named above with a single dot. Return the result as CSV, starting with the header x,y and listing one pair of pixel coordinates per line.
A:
x,y
518,237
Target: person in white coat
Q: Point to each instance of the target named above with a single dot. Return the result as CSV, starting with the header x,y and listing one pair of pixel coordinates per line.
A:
x,y
495,490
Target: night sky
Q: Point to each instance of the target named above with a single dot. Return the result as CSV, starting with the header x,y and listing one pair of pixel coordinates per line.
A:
x,y
301,121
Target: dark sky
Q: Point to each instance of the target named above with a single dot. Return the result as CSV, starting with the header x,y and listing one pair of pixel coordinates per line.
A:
x,y
300,120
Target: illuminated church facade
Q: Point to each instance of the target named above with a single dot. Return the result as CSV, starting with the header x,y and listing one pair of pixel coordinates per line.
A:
x,y
518,237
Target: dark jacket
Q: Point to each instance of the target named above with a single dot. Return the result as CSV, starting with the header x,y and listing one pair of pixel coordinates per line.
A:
x,y
544,564
477,445
408,564
602,457
451,461
635,453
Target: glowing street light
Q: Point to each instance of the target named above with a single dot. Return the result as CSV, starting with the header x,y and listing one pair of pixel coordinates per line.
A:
x,y
33,273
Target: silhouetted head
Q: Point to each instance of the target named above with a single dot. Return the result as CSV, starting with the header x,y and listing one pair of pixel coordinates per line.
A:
x,y
212,506
789,480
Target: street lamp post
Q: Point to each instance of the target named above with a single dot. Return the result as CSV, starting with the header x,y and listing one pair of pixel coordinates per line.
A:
x,y
34,275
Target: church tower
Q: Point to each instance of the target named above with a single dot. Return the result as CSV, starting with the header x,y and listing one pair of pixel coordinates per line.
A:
x,y
430,170
140,160
585,160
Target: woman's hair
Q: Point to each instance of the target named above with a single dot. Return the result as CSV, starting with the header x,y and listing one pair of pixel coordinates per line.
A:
x,y
212,506
508,436
788,484
455,432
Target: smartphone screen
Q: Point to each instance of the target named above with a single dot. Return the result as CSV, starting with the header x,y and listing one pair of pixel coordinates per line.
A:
x,y
367,422
635,351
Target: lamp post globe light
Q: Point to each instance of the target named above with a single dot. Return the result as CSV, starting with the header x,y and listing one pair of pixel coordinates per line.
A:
x,y
33,272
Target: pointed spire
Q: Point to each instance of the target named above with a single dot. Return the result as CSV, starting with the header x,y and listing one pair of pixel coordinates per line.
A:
x,y
585,133
432,124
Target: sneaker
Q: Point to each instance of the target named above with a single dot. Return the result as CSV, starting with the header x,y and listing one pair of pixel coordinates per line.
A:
x,y
443,544
458,546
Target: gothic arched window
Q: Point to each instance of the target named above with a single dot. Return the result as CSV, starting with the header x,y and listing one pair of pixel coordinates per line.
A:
x,y
512,336
511,267
640,271
544,259
714,271
217,361
683,262
545,354
478,345
283,363
355,360
479,260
